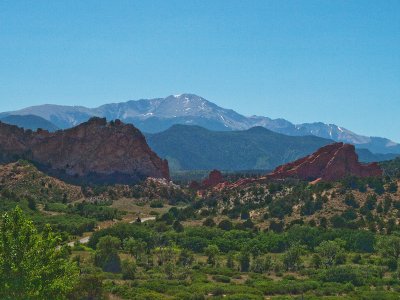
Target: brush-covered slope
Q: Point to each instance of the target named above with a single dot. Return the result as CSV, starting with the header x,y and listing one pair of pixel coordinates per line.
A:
x,y
391,167
23,179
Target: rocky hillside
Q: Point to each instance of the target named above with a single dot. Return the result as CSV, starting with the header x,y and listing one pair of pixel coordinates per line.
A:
x,y
22,180
95,151
332,162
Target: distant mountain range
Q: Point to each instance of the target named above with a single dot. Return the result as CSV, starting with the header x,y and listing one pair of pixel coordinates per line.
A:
x,y
196,148
156,115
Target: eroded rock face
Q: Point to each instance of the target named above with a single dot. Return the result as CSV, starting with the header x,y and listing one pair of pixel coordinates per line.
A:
x,y
214,178
329,163
96,150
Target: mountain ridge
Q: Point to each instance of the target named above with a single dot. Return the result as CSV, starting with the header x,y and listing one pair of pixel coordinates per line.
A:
x,y
158,114
191,147
31,122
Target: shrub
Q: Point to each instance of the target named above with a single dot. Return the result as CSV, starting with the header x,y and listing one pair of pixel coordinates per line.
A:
x,y
128,269
157,204
209,222
350,200
106,256
356,275
221,278
225,225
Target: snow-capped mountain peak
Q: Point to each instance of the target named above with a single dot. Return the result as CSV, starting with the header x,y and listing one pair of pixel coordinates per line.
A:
x,y
154,115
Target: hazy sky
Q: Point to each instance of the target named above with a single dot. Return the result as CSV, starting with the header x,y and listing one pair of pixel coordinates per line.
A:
x,y
330,61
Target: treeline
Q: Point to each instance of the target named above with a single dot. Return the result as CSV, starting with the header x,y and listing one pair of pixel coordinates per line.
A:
x,y
337,262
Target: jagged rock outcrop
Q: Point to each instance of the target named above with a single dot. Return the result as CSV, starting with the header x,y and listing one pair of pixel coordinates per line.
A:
x,y
94,151
329,163
214,178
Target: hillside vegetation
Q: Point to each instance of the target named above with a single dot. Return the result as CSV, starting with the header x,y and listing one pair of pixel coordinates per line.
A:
x,y
282,239
196,148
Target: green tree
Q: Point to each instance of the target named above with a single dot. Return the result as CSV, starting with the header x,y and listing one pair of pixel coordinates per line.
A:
x,y
165,254
135,248
331,252
389,246
106,256
262,264
337,221
370,203
32,204
244,261
316,261
323,222
186,258
169,270
90,287
387,204
209,222
225,225
32,266
230,262
351,200
292,257
178,227
392,188
128,269
212,252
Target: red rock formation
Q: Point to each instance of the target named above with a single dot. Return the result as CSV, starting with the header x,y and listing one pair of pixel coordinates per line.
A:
x,y
214,178
105,152
240,182
329,163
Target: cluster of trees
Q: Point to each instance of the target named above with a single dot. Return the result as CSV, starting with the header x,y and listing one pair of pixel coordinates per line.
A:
x,y
325,256
99,212
71,219
139,240
156,256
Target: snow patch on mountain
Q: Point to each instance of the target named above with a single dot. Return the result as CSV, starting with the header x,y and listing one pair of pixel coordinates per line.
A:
x,y
154,115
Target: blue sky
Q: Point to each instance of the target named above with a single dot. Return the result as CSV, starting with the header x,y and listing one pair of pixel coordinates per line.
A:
x,y
330,61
